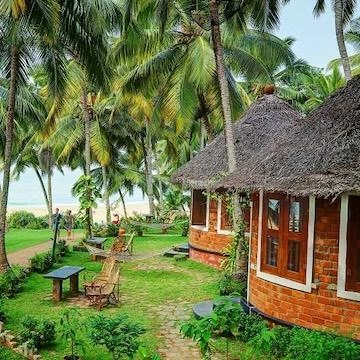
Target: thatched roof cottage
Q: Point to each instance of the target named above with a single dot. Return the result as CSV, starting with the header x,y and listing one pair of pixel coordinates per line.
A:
x,y
305,236
267,121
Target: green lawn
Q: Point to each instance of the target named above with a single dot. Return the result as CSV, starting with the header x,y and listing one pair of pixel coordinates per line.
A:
x,y
145,285
17,239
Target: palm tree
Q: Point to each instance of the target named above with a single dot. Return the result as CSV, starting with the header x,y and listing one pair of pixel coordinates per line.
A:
x,y
343,12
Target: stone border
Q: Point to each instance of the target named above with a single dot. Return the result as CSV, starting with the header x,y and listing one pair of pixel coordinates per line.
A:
x,y
9,340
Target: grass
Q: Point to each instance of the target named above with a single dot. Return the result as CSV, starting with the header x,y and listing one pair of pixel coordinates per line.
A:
x,y
146,285
18,239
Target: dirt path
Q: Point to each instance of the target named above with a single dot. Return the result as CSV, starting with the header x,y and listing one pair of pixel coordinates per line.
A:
x,y
21,257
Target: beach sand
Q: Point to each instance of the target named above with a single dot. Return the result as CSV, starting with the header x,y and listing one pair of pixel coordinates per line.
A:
x,y
99,213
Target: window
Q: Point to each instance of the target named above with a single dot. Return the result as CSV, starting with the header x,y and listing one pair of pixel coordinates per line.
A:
x,y
284,236
199,208
352,282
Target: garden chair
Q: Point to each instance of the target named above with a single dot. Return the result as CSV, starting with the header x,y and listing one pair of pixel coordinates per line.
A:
x,y
102,277
120,247
102,294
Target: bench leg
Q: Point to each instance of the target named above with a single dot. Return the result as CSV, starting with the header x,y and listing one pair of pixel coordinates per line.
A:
x,y
57,289
74,284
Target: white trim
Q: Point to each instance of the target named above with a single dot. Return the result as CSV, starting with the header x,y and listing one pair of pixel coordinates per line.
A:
x,y
341,279
249,255
218,224
206,226
310,252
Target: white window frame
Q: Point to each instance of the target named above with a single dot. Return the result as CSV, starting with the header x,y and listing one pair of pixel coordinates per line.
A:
x,y
201,227
341,279
310,252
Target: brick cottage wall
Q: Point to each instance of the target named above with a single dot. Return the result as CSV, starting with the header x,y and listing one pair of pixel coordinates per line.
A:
x,y
207,246
320,309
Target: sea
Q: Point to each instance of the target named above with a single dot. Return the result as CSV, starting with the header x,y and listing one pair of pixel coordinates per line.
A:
x,y
26,191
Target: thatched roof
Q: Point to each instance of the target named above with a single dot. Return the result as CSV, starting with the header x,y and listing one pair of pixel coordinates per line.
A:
x,y
266,122
321,156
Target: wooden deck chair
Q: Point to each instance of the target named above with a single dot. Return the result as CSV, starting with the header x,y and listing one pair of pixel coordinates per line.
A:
x,y
102,277
100,295
120,248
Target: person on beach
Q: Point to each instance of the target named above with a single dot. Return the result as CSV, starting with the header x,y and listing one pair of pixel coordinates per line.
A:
x,y
69,225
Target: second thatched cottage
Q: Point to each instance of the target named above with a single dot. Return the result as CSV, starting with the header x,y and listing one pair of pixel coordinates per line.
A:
x,y
267,121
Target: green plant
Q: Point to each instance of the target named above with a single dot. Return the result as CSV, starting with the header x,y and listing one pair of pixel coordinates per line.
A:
x,y
41,263
11,281
315,345
2,311
38,333
106,230
250,326
25,219
70,330
119,335
62,249
232,284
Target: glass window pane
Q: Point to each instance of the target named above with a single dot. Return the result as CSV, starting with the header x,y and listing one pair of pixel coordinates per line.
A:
x,y
272,250
293,263
295,210
273,214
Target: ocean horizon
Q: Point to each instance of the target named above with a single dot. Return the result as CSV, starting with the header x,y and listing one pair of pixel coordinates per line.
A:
x,y
27,190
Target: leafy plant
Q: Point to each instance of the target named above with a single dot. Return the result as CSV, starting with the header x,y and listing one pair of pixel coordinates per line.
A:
x,y
11,281
106,230
41,263
70,330
25,219
62,249
119,335
38,333
232,284
2,312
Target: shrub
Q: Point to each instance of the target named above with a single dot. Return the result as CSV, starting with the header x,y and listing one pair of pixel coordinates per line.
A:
x,y
41,263
231,284
20,219
2,312
279,343
39,333
315,345
119,335
106,230
11,281
250,326
61,248
9,354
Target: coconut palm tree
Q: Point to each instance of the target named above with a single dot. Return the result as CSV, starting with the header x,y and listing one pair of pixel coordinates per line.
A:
x,y
343,12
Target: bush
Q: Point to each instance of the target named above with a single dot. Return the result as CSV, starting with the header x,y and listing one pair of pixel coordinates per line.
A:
x,y
279,343
41,263
232,285
106,230
21,219
62,249
118,334
9,354
315,345
250,326
39,333
11,281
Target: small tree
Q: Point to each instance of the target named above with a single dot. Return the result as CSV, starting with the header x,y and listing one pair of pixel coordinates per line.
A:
x,y
119,335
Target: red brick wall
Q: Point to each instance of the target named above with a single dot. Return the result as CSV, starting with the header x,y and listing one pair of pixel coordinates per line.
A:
x,y
320,309
207,246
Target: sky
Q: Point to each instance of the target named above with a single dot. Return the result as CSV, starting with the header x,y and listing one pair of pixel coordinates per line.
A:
x,y
315,37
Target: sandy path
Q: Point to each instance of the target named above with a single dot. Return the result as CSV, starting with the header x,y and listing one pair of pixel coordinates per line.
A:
x,y
22,257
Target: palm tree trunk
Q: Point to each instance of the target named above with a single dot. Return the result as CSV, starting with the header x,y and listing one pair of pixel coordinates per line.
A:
x,y
224,88
204,110
106,194
123,203
87,152
339,27
161,190
49,209
4,264
148,170
49,187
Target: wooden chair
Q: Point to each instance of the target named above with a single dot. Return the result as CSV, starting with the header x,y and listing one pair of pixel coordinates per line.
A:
x,y
102,277
102,293
119,249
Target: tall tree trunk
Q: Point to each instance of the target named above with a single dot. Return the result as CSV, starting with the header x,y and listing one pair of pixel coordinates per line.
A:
x,y
49,209
224,88
123,203
106,194
4,264
49,186
87,152
339,27
149,170
161,190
